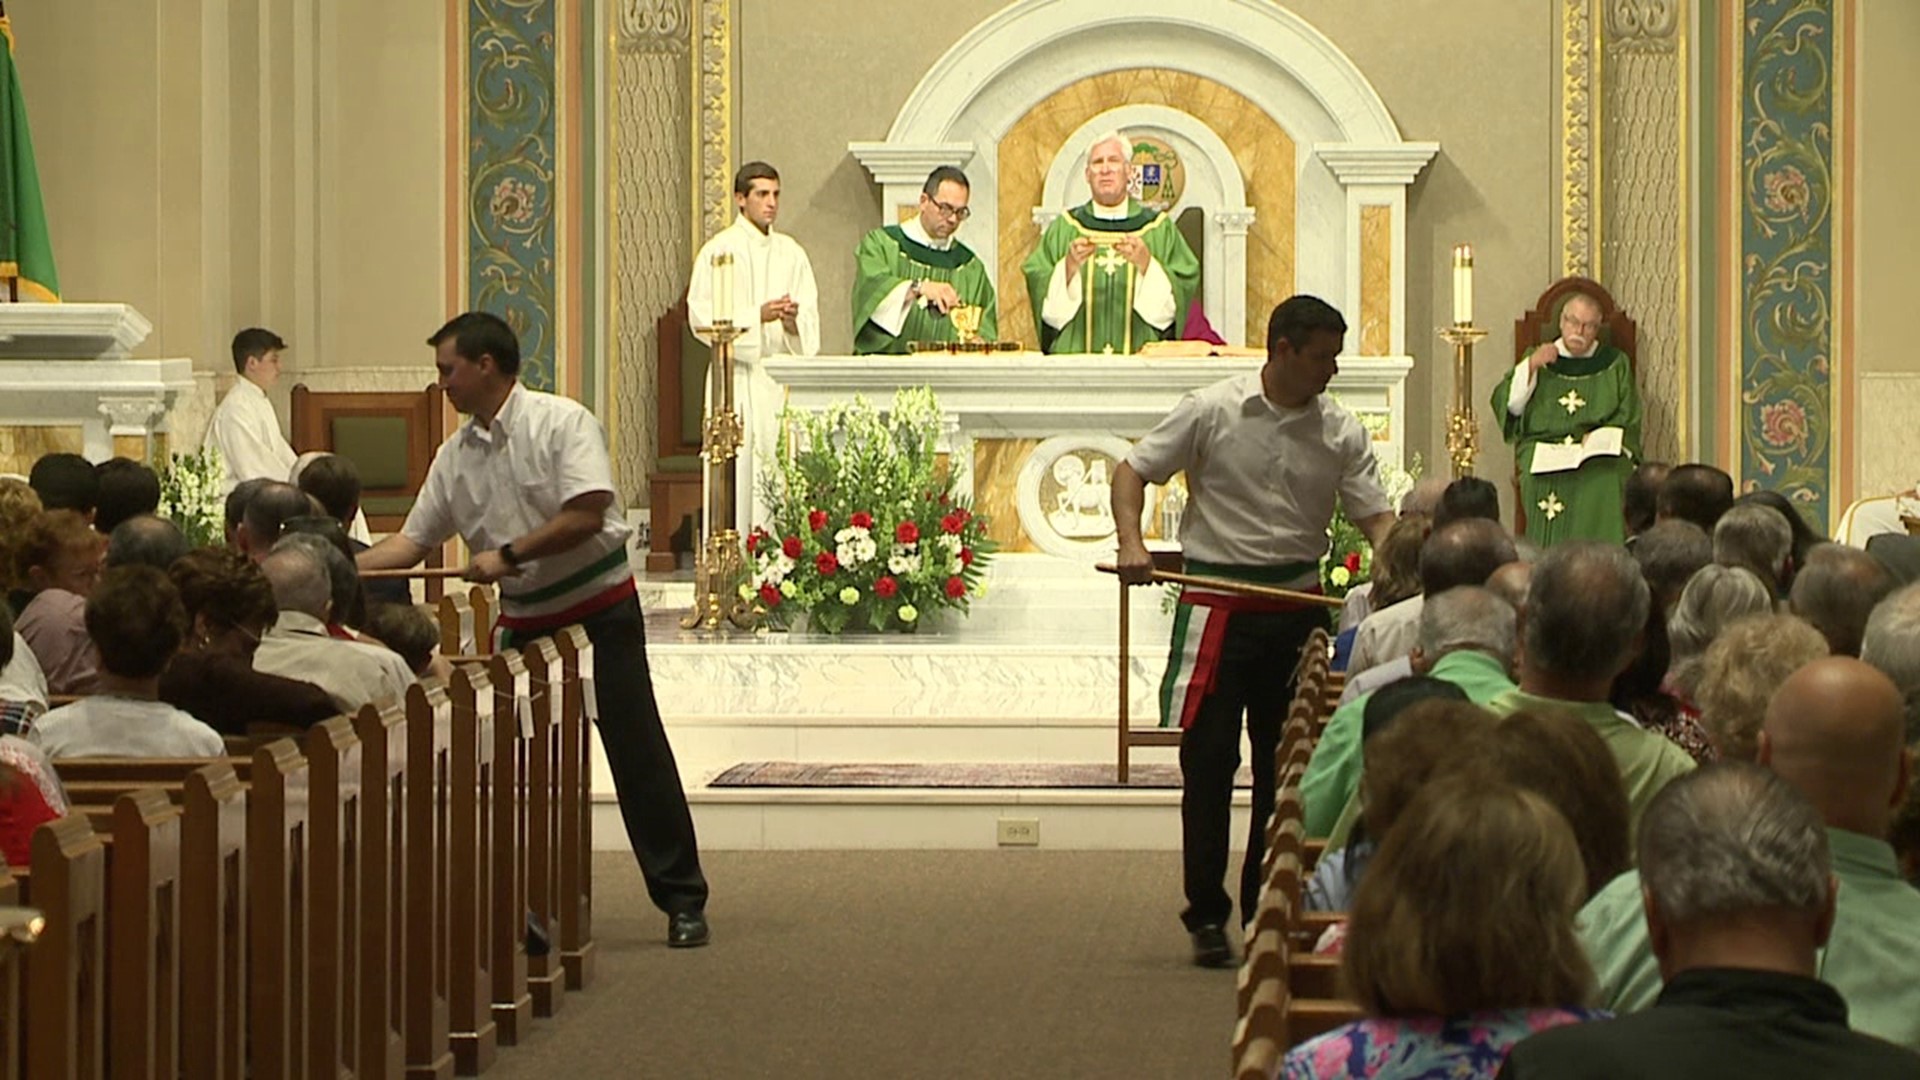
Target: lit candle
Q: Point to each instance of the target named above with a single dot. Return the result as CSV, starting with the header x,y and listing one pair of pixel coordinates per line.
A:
x,y
723,287
1463,285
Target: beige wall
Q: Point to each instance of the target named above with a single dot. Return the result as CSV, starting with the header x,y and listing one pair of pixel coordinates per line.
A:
x,y
1493,183
1886,228
223,163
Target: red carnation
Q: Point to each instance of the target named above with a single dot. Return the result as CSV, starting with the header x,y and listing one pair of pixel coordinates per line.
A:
x,y
907,533
816,520
826,564
965,515
1353,562
790,547
861,520
966,556
770,596
885,588
952,524
945,498
956,588
753,543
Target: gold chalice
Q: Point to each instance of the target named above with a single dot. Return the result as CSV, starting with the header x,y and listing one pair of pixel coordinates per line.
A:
x,y
966,322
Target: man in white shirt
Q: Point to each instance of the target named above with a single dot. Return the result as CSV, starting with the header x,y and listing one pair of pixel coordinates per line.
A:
x,y
528,484
298,646
772,297
244,428
137,621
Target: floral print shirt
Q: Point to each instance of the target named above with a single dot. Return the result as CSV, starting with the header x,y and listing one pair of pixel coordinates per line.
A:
x,y
1468,1047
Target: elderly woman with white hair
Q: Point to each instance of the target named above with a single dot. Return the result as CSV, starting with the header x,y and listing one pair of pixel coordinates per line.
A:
x,y
1715,598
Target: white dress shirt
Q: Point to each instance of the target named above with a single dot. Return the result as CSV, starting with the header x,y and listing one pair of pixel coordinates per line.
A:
x,y
1152,291
247,433
1387,634
352,673
107,725
22,681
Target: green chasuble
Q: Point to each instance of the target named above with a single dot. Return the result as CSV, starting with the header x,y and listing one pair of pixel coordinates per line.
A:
x,y
887,257
1571,397
1106,321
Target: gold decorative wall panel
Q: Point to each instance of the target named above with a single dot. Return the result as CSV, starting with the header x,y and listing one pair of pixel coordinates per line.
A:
x,y
1262,149
1376,280
1579,179
996,479
713,135
22,445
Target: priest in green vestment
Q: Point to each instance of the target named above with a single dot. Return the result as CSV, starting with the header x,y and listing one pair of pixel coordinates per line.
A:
x,y
1110,275
909,277
1560,393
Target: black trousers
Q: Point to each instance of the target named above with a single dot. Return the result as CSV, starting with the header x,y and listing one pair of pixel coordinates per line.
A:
x,y
652,802
1258,657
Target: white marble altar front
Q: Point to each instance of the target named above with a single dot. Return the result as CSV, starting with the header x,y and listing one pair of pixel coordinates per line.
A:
x,y
68,365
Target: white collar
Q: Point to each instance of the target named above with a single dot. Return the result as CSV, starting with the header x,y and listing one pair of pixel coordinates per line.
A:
x,y
1560,346
300,623
242,384
1112,213
917,233
752,231
501,425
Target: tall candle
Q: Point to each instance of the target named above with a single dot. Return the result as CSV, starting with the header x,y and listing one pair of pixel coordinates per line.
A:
x,y
723,286
1463,284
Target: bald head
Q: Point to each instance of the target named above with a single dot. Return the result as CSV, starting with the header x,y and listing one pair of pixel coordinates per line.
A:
x,y
1834,730
1424,496
1510,583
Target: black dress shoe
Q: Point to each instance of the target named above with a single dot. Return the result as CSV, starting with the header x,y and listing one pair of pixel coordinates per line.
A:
x,y
687,930
1210,947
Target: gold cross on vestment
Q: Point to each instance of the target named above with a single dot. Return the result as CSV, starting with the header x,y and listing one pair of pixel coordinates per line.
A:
x,y
1552,506
1109,260
1573,401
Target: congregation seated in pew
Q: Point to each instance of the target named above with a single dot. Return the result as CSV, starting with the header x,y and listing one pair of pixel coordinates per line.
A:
x,y
136,621
30,792
299,646
58,562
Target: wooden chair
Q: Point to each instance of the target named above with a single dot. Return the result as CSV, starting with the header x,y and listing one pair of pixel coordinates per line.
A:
x,y
471,1027
143,937
383,888
429,768
66,975
674,487
512,731
576,805
277,913
544,839
1541,324
213,922
334,854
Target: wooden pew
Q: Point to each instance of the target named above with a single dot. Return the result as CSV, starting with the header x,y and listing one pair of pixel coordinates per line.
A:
x,y
383,845
481,599
66,976
277,913
544,839
429,766
143,943
213,921
471,1028
576,807
12,987
333,985
512,731
458,629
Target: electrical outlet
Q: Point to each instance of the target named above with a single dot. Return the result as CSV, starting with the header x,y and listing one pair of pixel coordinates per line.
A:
x,y
1019,832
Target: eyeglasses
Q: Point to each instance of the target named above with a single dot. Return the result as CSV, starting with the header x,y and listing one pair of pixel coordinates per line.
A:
x,y
957,213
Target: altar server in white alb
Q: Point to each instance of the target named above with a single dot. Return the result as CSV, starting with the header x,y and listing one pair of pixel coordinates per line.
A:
x,y
771,295
244,428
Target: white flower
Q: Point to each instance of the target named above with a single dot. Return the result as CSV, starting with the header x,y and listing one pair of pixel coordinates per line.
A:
x,y
783,564
908,613
949,542
856,546
904,560
849,596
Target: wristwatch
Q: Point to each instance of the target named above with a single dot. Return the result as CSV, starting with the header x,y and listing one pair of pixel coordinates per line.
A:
x,y
507,553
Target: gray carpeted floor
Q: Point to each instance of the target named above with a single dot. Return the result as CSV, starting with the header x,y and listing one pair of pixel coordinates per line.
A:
x,y
1003,964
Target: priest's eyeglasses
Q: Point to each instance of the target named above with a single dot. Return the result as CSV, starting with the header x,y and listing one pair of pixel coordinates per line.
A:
x,y
957,213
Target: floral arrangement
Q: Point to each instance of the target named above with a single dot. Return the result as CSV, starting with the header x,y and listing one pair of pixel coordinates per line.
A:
x,y
868,528
1349,558
191,498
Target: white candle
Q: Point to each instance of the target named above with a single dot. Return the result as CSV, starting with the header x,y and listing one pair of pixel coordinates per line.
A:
x,y
1463,284
723,287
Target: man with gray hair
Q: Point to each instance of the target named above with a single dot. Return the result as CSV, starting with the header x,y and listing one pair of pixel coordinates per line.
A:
x,y
1586,611
298,645
1833,731
1467,639
1738,894
1892,644
1462,552
1758,538
1837,591
1669,555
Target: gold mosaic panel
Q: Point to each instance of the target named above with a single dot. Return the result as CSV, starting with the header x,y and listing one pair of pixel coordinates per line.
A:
x,y
22,445
135,447
1262,148
1376,280
996,482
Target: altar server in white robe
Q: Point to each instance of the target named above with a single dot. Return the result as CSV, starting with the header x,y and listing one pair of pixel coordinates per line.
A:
x,y
774,299
244,428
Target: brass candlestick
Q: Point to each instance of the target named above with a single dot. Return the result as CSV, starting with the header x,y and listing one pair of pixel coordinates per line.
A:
x,y
720,564
1462,431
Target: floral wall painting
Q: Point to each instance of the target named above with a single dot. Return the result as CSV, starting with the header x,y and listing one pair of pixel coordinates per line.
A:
x,y
511,146
1785,119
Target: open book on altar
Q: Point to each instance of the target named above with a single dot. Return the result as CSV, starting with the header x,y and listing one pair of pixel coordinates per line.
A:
x,y
1570,455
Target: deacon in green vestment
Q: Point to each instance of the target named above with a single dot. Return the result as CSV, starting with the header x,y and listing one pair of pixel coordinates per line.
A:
x,y
908,277
1110,275
1558,394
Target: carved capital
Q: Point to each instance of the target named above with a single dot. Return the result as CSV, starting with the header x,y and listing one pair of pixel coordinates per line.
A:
x,y
654,26
1355,164
131,415
1234,222
1643,25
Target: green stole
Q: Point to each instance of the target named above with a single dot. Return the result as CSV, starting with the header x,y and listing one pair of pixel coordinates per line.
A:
x,y
886,257
1106,321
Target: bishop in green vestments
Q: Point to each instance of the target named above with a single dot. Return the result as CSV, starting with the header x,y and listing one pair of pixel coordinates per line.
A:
x,y
1111,275
1558,394
908,277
